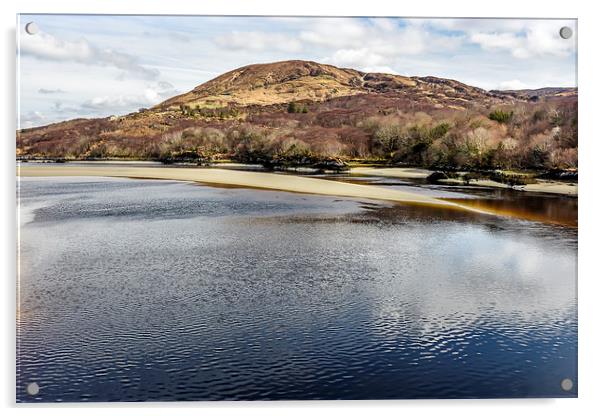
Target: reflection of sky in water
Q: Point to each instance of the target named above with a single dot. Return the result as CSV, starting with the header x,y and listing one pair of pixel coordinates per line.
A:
x,y
160,290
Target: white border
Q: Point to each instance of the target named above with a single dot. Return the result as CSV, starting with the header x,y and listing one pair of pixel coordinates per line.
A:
x,y
590,139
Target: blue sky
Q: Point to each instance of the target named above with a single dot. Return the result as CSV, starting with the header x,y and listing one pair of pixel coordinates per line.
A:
x,y
93,66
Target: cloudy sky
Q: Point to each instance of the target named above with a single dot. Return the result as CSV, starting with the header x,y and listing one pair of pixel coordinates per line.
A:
x,y
92,66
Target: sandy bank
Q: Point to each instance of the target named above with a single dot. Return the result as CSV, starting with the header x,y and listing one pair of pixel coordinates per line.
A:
x,y
547,186
262,180
552,187
402,173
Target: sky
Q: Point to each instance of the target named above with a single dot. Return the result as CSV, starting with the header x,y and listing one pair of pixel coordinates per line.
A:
x,y
95,66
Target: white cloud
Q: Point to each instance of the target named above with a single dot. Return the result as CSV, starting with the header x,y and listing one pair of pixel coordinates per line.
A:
x,y
356,58
513,84
47,47
490,41
543,38
50,91
151,95
32,118
386,24
171,35
381,36
379,43
258,41
537,42
115,102
337,33
522,38
477,25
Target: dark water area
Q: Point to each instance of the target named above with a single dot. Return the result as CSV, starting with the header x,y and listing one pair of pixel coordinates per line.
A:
x,y
134,290
548,208
541,207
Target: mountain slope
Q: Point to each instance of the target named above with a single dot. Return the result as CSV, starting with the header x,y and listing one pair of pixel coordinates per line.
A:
x,y
282,82
548,93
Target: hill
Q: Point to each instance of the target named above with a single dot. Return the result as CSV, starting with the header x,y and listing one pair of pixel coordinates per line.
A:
x,y
282,82
548,93
305,112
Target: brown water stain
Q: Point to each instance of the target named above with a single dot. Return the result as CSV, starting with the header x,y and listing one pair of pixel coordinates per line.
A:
x,y
549,210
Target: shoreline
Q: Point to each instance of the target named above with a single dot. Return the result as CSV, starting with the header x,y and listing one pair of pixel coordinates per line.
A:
x,y
550,186
542,185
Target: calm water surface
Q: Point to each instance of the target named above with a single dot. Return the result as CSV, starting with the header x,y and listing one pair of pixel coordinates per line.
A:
x,y
155,290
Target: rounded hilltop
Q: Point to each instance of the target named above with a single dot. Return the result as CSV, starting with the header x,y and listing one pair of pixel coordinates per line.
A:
x,y
296,80
273,83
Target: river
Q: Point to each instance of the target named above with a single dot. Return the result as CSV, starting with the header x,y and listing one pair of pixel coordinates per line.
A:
x,y
133,290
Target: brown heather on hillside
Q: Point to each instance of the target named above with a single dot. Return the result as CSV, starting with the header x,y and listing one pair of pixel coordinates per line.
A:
x,y
299,112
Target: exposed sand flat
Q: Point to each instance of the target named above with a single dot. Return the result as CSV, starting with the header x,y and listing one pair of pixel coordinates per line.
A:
x,y
261,180
553,187
402,173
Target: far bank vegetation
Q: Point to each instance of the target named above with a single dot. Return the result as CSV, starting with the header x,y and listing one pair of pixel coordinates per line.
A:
x,y
526,136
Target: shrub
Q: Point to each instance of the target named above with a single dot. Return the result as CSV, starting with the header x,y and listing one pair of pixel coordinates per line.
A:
x,y
501,116
294,107
439,131
511,179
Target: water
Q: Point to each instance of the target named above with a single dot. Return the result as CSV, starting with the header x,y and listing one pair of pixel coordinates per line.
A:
x,y
540,207
155,290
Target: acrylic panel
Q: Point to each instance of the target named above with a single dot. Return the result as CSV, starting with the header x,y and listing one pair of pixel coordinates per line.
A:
x,y
294,208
